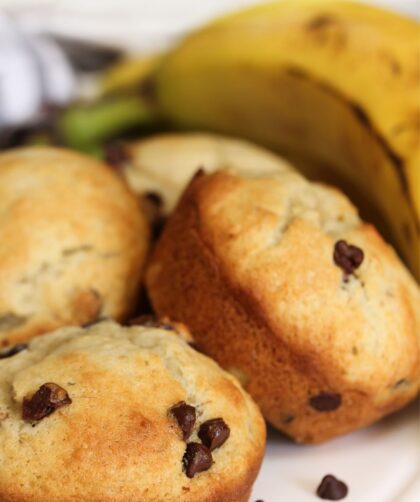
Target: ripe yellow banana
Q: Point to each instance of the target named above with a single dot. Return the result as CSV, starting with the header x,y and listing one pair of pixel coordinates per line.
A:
x,y
330,81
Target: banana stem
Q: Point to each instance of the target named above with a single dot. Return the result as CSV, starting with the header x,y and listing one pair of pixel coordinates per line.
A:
x,y
84,127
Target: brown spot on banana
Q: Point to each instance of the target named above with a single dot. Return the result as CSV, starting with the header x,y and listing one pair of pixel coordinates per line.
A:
x,y
320,22
391,63
326,29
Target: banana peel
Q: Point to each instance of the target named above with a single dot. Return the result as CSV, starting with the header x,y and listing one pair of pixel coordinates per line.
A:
x,y
86,127
333,84
128,74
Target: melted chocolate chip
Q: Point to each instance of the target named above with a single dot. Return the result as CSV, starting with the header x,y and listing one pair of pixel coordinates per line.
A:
x,y
12,351
214,433
326,401
46,399
185,416
197,458
347,256
150,321
154,198
331,488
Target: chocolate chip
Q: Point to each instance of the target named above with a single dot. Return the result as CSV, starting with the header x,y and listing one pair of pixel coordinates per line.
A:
x,y
154,198
331,488
326,401
197,458
185,416
12,351
150,321
116,155
46,399
213,433
347,256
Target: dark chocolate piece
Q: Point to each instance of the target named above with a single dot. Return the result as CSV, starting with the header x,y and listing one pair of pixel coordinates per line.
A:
x,y
45,401
331,488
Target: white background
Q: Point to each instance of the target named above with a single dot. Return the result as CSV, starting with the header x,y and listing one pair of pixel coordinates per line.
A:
x,y
139,24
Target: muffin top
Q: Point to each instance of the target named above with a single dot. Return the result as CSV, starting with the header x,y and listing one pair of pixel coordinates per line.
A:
x,y
108,413
73,242
325,282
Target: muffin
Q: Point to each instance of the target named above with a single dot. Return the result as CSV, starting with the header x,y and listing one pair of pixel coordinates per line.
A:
x,y
159,168
281,282
73,242
113,414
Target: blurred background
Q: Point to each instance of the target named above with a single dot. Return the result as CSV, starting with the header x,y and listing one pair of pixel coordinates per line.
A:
x,y
42,68
136,24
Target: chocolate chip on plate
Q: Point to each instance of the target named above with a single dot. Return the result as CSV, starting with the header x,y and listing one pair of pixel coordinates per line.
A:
x,y
347,256
197,458
46,399
185,416
12,351
331,488
325,401
213,433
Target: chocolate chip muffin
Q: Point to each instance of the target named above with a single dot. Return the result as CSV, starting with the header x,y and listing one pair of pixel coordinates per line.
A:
x,y
73,242
283,284
159,168
113,414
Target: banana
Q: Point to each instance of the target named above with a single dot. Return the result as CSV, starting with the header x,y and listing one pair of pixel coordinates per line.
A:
x,y
334,86
127,75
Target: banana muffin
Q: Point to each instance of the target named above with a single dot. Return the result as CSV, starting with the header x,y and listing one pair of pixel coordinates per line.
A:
x,y
281,282
73,242
113,414
159,168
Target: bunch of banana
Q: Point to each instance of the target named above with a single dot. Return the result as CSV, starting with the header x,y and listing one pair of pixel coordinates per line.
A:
x,y
332,82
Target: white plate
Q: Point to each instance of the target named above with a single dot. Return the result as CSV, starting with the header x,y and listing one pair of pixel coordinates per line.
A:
x,y
378,464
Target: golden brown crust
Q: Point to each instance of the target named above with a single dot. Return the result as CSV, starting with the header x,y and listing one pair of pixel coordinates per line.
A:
x,y
116,441
74,241
247,264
